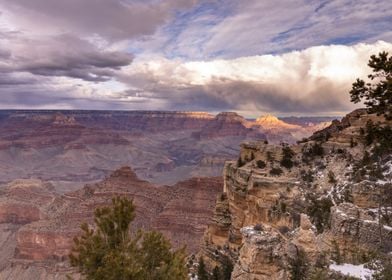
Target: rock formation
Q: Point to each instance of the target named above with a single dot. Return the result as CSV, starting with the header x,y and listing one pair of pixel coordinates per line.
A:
x,y
228,124
65,147
41,223
281,200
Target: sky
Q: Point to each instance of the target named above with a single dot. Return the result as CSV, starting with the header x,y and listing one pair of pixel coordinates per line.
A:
x,y
254,57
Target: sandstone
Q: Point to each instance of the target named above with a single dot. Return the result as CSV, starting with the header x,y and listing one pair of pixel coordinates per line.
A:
x,y
46,222
260,256
228,124
357,226
65,147
263,214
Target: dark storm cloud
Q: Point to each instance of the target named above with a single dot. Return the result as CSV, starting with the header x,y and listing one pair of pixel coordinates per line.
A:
x,y
224,94
63,55
66,54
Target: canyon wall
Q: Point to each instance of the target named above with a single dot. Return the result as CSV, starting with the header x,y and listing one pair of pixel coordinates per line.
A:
x,y
272,208
40,224
65,147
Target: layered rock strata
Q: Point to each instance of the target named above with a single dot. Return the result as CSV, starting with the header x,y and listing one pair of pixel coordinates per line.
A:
x,y
272,208
42,235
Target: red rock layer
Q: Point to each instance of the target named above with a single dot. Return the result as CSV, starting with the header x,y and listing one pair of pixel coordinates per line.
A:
x,y
181,212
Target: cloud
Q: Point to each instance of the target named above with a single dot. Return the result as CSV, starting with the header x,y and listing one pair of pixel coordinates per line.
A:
x,y
255,27
66,54
109,19
188,54
62,55
312,81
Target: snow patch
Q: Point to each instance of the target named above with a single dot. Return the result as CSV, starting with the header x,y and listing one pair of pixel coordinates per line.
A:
x,y
347,269
388,228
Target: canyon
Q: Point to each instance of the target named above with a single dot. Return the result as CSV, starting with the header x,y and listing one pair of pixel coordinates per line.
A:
x,y
56,167
71,148
38,225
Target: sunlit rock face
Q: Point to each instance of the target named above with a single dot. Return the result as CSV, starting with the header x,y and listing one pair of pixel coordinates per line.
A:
x,y
228,124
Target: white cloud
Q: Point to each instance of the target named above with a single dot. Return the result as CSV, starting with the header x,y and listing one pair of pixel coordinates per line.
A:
x,y
314,80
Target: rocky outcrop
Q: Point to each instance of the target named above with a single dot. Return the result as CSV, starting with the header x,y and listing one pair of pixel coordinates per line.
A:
x,y
358,226
43,245
43,223
272,122
228,124
277,130
18,213
337,126
25,201
185,217
261,256
281,200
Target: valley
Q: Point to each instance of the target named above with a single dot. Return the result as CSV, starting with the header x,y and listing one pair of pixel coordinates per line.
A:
x,y
71,148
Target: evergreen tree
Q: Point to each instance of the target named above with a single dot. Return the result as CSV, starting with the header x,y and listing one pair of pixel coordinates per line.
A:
x,y
298,266
202,273
261,164
377,96
227,268
319,211
287,157
382,268
216,275
110,252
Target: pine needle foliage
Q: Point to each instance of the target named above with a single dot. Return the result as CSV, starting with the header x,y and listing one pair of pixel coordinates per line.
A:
x,y
109,252
377,94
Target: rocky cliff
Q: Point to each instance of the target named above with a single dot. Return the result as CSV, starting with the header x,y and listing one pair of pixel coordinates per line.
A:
x,y
318,200
38,224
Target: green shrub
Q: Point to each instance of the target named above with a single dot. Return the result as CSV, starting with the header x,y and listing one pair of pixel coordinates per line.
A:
x,y
299,266
202,273
109,251
312,151
317,150
319,211
331,177
261,164
276,171
307,176
287,157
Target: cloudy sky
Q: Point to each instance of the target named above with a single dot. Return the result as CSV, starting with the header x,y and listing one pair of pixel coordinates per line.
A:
x,y
283,57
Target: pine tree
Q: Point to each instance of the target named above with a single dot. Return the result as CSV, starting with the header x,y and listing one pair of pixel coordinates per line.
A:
x,y
202,273
110,252
227,268
377,96
216,275
298,266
